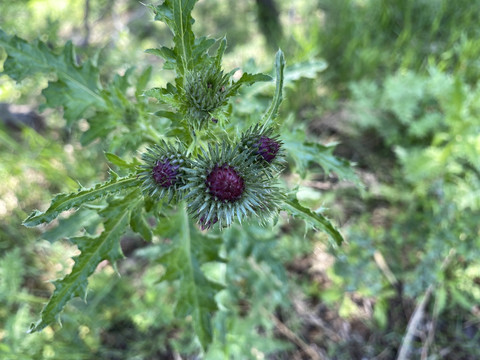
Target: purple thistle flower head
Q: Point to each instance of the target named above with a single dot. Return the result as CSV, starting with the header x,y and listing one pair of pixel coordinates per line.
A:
x,y
268,148
225,183
165,173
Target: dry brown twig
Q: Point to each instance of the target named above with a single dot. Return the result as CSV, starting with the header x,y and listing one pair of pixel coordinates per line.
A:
x,y
284,330
309,317
418,315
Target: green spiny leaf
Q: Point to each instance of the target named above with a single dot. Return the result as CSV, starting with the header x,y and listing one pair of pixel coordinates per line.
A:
x,y
24,59
114,159
139,224
177,15
77,87
101,125
305,152
248,79
63,202
196,294
220,52
307,69
166,95
143,80
71,225
272,111
201,47
105,246
167,54
169,115
320,222
12,270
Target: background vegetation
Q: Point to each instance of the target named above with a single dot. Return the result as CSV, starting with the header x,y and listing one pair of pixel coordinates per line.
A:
x,y
394,82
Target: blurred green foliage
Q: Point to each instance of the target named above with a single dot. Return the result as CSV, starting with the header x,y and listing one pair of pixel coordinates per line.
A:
x,y
420,101
370,39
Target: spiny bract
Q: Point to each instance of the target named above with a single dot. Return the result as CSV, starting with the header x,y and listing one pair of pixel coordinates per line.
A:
x,y
225,183
262,143
164,171
205,91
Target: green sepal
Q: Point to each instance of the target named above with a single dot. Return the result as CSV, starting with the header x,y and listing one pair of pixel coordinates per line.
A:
x,y
105,246
316,220
64,202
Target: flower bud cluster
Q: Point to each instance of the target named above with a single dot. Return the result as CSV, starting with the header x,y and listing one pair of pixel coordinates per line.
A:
x,y
266,146
205,91
223,183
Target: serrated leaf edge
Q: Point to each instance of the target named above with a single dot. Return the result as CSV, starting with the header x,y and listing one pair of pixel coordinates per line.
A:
x,y
319,221
88,261
63,202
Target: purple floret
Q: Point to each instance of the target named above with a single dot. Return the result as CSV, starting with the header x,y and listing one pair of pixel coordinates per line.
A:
x,y
225,183
268,148
165,173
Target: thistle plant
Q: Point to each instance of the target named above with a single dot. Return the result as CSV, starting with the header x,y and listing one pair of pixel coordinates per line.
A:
x,y
190,179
